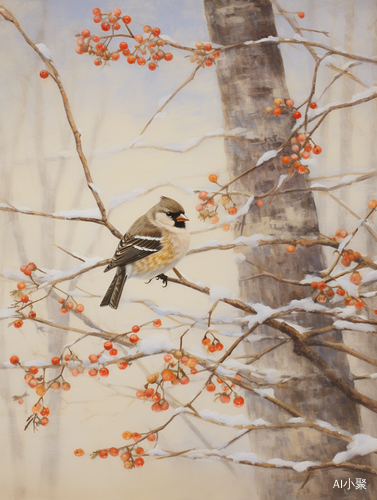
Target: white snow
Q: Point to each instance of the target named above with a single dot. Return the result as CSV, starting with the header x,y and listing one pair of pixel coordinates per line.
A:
x,y
218,292
328,426
95,189
92,213
269,154
373,375
157,452
265,392
228,420
45,51
35,362
160,116
281,180
65,154
117,200
358,327
345,241
369,278
182,409
263,40
297,420
6,313
153,345
298,466
299,38
242,211
163,100
362,444
53,274
167,38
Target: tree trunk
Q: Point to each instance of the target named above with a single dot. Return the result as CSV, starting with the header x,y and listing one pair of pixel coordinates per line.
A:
x,y
250,78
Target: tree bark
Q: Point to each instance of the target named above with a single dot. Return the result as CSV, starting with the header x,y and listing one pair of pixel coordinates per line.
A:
x,y
250,78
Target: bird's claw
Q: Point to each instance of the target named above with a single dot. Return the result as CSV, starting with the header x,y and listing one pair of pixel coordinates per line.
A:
x,y
162,277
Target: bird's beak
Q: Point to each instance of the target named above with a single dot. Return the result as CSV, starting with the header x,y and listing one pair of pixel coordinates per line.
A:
x,y
182,218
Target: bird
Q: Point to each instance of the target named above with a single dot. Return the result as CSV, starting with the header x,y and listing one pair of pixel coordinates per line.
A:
x,y
153,245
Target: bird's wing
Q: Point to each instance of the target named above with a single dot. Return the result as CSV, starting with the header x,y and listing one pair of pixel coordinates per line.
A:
x,y
134,246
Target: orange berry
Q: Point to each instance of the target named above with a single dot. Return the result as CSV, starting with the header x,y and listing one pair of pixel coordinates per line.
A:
x,y
79,452
232,210
321,285
79,308
314,284
55,361
168,376
215,219
285,160
18,323
345,262
290,248
21,285
41,390
317,150
330,293
301,15
355,278
157,323
211,387
277,111
69,305
206,341
212,178
372,204
359,304
226,227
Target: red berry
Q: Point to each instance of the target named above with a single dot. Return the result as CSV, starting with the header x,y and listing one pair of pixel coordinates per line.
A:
x,y
115,56
216,54
105,26
136,436
285,160
211,387
147,29
44,421
85,33
27,271
208,62
139,462
185,380
21,285
116,26
207,47
63,310
152,66
151,437
168,376
340,292
96,38
141,61
103,454
122,365
277,111
79,308
184,360
314,284
43,74
131,59
117,12
93,372
97,19
156,31
108,345
97,11
289,102
297,115
23,268
104,372
359,304
167,358
157,323
32,314
123,45
136,328
211,348
238,402
321,285
301,15
126,19
55,361
224,398
149,392
156,397
290,248
138,38
232,210
165,406
18,323
133,338
259,203
219,346
372,205
14,360
126,52
113,352
45,412
114,452
33,370
212,178
317,150
312,105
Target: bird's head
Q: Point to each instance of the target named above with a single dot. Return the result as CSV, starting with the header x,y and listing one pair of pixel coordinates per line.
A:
x,y
169,213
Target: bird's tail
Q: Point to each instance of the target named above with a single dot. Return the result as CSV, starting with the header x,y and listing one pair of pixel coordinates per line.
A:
x,y
114,292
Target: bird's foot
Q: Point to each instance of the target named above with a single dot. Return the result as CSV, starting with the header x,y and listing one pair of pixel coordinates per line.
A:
x,y
162,277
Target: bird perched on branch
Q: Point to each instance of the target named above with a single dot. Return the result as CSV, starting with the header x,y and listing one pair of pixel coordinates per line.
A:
x,y
153,245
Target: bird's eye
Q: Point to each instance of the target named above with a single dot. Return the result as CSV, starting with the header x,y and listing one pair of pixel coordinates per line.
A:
x,y
169,214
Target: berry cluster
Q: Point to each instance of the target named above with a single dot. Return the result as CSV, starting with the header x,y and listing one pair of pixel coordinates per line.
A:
x,y
204,53
212,345
227,392
147,48
67,305
287,108
302,148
